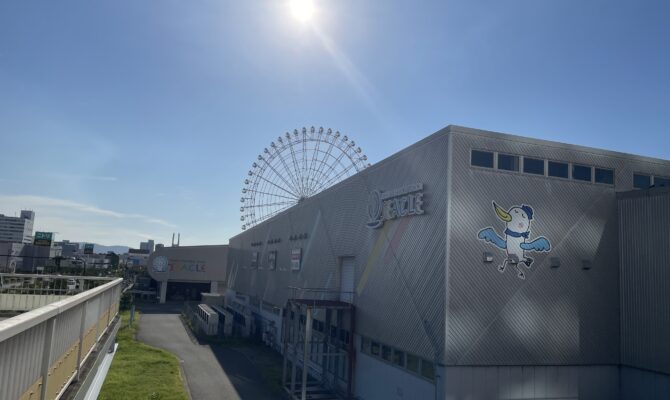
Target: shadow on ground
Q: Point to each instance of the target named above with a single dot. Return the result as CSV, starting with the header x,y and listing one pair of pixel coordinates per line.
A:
x,y
248,370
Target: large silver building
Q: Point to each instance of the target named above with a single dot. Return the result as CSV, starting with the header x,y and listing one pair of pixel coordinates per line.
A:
x,y
17,229
470,265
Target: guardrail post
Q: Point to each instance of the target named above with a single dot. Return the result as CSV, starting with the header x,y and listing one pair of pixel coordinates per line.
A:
x,y
109,307
308,347
294,362
82,329
97,319
46,354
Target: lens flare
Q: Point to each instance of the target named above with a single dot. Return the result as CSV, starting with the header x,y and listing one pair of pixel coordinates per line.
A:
x,y
303,10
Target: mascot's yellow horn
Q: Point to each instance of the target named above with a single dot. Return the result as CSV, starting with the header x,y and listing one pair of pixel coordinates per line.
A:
x,y
502,214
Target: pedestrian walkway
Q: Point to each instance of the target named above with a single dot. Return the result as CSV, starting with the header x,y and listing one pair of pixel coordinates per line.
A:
x,y
214,374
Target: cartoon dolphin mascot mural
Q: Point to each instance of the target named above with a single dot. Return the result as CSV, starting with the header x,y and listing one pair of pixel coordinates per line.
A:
x,y
517,229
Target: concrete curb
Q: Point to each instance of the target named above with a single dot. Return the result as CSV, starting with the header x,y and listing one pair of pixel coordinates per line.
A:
x,y
182,375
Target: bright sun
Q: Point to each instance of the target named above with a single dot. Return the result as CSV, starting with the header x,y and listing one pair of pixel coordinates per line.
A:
x,y
302,9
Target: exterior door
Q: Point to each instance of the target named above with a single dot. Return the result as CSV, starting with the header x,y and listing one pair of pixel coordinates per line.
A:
x,y
347,277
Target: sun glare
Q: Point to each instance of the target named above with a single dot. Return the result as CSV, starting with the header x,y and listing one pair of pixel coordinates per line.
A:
x,y
302,9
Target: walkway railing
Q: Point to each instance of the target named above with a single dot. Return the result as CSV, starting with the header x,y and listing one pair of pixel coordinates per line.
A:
x,y
316,294
42,351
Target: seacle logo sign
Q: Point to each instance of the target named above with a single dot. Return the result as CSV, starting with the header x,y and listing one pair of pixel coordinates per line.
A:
x,y
163,264
396,203
160,264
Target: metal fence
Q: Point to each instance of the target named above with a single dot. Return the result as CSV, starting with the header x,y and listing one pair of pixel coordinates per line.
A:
x,y
48,284
80,265
42,351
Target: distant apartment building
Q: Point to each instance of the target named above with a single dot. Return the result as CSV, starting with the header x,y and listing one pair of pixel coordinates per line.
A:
x,y
26,257
11,258
148,246
68,249
17,229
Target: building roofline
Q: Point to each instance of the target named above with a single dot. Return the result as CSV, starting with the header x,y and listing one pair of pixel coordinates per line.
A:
x,y
427,139
651,192
189,247
457,129
559,145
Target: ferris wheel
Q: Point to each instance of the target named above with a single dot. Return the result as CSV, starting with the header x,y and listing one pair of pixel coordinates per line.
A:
x,y
295,167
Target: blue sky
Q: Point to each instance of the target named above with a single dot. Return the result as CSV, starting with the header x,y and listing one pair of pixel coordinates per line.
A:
x,y
127,119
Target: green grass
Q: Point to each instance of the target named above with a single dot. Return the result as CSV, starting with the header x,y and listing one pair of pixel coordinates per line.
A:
x,y
140,371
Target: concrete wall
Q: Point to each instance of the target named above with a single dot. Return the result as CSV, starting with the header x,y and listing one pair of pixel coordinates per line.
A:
x,y
27,302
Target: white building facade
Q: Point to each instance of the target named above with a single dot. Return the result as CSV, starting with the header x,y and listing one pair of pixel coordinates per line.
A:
x,y
17,229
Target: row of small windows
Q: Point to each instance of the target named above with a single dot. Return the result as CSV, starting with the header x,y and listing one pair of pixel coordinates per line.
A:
x,y
399,358
643,181
538,166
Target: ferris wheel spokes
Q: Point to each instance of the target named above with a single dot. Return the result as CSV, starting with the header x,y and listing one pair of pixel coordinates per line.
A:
x,y
296,167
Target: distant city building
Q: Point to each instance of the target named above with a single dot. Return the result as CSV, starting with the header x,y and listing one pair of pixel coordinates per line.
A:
x,y
36,257
97,261
26,257
135,257
68,249
17,229
10,257
148,245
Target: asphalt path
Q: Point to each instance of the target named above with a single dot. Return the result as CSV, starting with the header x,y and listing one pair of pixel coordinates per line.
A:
x,y
211,373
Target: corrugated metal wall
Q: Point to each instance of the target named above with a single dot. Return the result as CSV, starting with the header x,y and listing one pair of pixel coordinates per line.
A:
x,y
637,384
67,332
399,267
644,245
532,382
557,316
20,361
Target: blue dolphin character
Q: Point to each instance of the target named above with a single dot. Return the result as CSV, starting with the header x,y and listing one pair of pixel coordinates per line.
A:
x,y
517,229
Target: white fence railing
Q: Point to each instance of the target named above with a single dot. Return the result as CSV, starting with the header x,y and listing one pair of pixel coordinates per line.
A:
x,y
43,350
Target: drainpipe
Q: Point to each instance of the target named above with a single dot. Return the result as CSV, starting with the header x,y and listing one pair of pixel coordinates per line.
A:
x,y
308,347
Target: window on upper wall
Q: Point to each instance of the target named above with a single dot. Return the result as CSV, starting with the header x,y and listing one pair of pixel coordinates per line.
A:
x,y
605,176
365,345
507,162
413,363
386,352
658,181
374,348
481,159
428,369
398,358
558,169
533,166
641,181
581,173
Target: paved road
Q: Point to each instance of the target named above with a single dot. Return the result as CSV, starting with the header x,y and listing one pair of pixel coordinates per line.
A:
x,y
225,375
